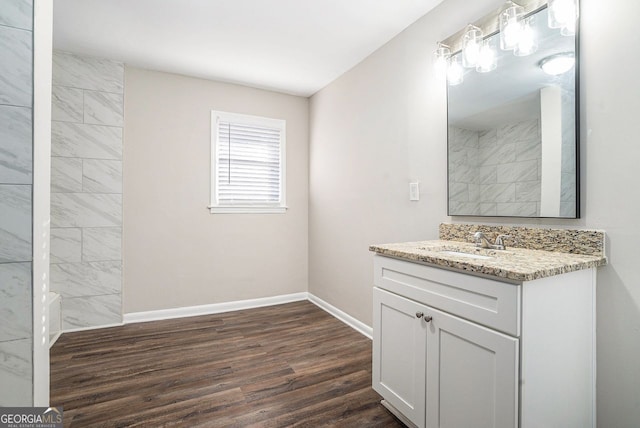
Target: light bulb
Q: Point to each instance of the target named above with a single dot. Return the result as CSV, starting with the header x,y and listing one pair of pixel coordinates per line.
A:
x,y
471,43
527,43
562,13
510,25
441,57
455,72
471,54
511,35
487,60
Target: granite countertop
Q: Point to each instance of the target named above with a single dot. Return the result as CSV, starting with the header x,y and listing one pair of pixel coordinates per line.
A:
x,y
515,264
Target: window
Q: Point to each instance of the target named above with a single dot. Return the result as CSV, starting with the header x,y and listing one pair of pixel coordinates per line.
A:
x,y
247,164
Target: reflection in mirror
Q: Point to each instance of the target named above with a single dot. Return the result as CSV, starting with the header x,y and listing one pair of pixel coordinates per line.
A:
x,y
512,147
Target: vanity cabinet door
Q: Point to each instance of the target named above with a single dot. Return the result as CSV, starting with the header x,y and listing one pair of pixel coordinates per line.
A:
x,y
399,351
472,375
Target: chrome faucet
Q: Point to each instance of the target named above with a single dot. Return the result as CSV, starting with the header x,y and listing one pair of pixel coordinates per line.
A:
x,y
499,245
483,242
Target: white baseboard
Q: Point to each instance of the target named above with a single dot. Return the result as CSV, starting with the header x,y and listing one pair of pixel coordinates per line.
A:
x,y
55,337
215,308
96,327
342,316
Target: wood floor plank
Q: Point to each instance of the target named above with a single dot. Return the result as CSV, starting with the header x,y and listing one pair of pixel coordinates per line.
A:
x,y
278,366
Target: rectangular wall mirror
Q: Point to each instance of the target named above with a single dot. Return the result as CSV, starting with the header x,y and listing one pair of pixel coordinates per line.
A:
x,y
513,132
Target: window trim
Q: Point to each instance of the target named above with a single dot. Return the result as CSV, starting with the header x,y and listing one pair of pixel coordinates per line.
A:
x,y
261,208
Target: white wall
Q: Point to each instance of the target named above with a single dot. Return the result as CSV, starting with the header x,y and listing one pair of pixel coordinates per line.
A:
x,y
610,151
42,71
383,123
176,253
379,126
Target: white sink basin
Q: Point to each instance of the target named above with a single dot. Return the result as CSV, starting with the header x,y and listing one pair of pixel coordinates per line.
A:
x,y
468,255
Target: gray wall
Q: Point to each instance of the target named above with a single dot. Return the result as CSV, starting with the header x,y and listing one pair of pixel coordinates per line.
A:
x,y
16,180
396,132
86,189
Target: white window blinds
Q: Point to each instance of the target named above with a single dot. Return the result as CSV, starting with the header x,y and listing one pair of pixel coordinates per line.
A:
x,y
249,161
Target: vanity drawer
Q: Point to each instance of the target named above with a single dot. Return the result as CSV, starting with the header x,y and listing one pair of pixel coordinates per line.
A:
x,y
491,303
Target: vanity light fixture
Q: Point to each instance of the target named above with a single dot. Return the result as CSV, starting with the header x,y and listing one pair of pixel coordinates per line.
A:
x,y
563,14
487,58
471,43
516,32
511,25
557,64
455,72
441,58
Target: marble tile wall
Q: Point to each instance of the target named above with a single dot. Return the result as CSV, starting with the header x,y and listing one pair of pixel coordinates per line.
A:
x,y
16,149
510,156
86,189
568,166
496,172
464,175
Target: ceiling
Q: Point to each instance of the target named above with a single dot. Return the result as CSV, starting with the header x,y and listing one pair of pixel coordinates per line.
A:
x,y
291,46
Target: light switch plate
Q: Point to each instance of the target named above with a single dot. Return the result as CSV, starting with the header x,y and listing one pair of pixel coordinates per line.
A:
x,y
414,191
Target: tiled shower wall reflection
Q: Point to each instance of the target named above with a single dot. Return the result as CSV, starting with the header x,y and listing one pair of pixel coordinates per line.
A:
x,y
568,168
496,172
86,189
16,179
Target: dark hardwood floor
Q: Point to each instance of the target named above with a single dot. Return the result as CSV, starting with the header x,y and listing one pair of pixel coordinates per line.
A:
x,y
279,366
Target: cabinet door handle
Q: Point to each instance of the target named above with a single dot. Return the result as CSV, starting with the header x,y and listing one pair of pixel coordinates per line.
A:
x,y
427,318
419,314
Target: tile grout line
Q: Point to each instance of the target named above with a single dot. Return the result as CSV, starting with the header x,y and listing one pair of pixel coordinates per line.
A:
x,y
11,27
16,106
81,123
87,89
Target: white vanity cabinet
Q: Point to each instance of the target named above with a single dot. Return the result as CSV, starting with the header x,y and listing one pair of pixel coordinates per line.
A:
x,y
455,350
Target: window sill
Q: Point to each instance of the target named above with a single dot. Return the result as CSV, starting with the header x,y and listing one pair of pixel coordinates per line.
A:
x,y
247,210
